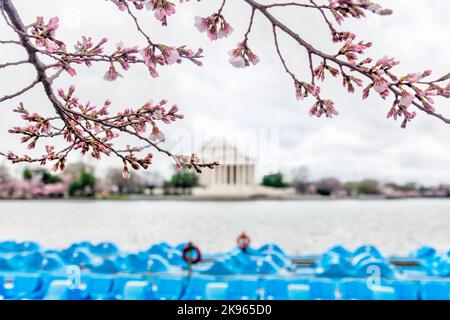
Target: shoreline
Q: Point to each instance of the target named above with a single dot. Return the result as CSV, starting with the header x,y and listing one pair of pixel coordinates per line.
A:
x,y
137,198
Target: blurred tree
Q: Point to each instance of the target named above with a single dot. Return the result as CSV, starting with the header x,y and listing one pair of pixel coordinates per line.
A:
x,y
323,191
274,180
84,186
352,188
300,179
409,186
74,169
152,180
4,174
43,174
328,186
184,180
48,178
27,175
369,187
118,184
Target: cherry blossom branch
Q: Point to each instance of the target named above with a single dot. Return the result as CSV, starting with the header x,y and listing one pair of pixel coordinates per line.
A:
x,y
322,12
224,2
341,9
381,79
294,4
86,127
9,42
250,25
20,92
138,26
10,64
277,47
91,129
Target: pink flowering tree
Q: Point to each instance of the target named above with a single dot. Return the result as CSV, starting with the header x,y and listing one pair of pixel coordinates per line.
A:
x,y
92,129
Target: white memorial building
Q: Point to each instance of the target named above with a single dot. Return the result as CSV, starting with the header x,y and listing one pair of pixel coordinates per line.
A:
x,y
234,177
235,169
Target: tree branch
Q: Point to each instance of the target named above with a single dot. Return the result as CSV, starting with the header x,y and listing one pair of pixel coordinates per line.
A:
x,y
311,50
29,87
10,64
9,42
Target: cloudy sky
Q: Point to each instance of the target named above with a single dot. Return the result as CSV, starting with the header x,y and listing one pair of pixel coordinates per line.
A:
x,y
256,108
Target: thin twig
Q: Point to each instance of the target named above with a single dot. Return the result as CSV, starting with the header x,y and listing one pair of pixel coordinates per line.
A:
x,y
29,87
10,64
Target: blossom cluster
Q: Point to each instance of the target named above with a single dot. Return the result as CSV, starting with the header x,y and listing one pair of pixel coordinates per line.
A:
x,y
88,128
215,26
351,50
38,126
407,89
303,89
86,48
192,162
323,107
242,56
44,34
86,52
319,72
161,8
135,162
91,129
342,9
167,56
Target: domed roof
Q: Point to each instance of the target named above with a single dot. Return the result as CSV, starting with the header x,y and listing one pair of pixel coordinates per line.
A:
x,y
224,153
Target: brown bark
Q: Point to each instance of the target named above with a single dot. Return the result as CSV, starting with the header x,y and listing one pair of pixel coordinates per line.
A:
x,y
33,58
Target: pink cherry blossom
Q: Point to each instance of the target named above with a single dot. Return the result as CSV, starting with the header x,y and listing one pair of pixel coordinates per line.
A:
x,y
126,173
323,107
387,62
406,99
120,4
171,55
156,135
112,74
51,46
242,56
303,89
382,87
162,9
215,26
201,24
237,61
53,24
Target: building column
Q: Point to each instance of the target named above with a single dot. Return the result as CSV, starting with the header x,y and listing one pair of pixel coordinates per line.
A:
x,y
238,174
241,171
248,170
210,177
219,174
247,173
224,174
233,174
252,175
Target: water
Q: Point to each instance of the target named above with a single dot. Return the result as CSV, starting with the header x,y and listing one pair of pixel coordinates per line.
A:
x,y
301,227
